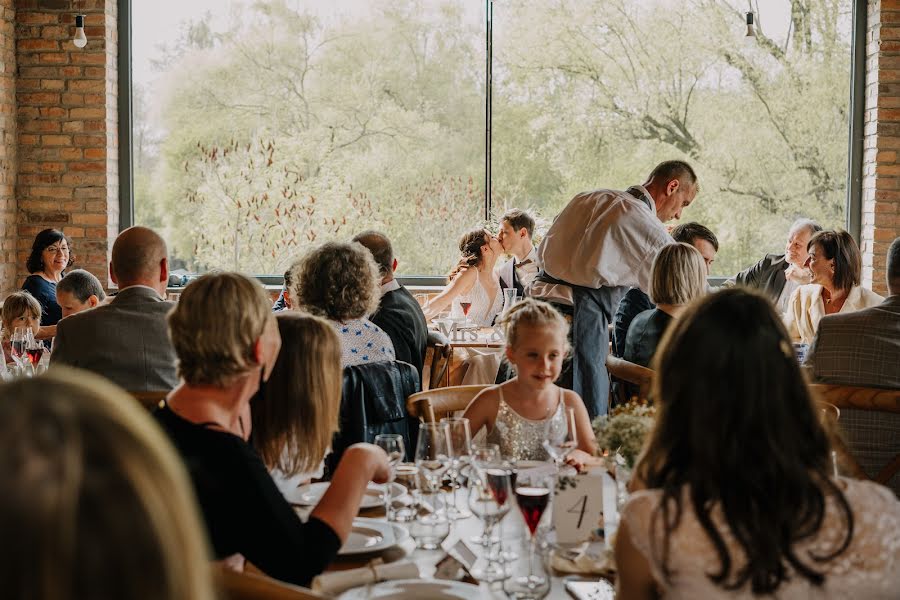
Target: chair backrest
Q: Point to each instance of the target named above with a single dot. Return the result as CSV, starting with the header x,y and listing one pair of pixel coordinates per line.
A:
x,y
373,401
434,404
149,400
875,400
632,373
441,350
249,586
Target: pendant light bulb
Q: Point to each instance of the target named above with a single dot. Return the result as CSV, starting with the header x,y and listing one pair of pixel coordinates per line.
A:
x,y
751,29
80,40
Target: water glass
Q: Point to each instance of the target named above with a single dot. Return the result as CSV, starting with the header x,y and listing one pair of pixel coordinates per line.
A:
x,y
404,509
559,442
392,444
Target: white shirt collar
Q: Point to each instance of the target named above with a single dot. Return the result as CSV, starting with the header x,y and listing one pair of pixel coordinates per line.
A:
x,y
390,286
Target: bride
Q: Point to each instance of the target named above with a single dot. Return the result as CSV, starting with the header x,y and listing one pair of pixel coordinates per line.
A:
x,y
473,281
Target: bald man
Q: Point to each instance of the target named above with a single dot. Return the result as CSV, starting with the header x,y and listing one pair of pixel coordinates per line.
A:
x,y
126,340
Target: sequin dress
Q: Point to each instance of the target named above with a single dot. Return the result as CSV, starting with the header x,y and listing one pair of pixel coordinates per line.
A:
x,y
522,439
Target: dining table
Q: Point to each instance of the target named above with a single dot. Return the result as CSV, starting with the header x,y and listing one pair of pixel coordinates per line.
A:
x,y
513,532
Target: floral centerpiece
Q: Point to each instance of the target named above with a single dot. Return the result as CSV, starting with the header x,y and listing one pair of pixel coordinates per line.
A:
x,y
624,430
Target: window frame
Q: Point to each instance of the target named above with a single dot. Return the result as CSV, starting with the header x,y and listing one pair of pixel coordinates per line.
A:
x,y
856,129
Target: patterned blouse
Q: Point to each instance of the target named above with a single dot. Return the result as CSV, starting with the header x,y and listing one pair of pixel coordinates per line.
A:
x,y
362,341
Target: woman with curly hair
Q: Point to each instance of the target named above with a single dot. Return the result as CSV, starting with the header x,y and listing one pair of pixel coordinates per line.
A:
x,y
473,281
341,282
740,497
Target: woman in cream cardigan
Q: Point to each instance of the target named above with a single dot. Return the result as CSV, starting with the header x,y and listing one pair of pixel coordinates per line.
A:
x,y
834,265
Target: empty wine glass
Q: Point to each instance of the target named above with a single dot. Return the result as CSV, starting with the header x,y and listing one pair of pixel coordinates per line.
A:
x,y
484,456
432,459
489,499
392,444
559,441
460,447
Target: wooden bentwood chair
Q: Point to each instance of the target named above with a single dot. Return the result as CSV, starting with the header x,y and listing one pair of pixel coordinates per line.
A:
x,y
433,404
437,356
863,399
632,373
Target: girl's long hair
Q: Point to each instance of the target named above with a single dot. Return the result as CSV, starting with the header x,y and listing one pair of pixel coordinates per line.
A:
x,y
296,416
737,428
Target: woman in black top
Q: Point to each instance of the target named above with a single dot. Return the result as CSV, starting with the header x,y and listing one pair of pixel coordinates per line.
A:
x,y
48,259
227,341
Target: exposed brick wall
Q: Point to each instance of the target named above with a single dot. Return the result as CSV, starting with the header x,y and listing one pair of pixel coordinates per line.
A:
x,y
7,147
881,168
67,119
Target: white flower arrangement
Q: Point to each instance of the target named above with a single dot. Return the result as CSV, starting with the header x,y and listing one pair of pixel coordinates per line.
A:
x,y
624,430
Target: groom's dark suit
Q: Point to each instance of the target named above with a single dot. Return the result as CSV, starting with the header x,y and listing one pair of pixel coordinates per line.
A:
x,y
401,317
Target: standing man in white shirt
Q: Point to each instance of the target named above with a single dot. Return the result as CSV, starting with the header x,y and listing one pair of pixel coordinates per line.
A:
x,y
516,231
602,243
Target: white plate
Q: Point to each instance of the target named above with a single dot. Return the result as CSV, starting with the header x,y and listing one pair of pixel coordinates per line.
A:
x,y
311,493
415,589
368,535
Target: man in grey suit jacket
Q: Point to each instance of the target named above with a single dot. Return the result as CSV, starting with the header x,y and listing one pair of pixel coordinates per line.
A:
x,y
863,348
126,340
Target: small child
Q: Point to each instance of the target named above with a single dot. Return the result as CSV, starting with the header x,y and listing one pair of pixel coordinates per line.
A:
x,y
20,309
519,412
78,291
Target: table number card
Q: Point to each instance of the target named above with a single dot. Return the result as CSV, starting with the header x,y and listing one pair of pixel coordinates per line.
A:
x,y
577,506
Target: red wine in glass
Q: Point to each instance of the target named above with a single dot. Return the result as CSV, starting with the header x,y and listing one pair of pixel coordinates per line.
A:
x,y
465,307
35,354
497,484
532,502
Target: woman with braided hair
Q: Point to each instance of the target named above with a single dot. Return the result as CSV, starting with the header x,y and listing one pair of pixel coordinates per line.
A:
x,y
474,288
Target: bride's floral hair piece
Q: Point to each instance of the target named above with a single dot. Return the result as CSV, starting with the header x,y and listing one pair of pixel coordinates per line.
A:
x,y
470,250
532,313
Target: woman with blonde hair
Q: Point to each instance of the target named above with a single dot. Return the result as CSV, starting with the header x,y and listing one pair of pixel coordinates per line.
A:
x,y
474,287
678,276
225,350
94,501
296,416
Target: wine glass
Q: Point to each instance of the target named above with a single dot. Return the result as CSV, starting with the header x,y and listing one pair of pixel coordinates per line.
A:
x,y
489,499
392,444
558,442
532,495
34,350
460,447
484,456
432,459
17,343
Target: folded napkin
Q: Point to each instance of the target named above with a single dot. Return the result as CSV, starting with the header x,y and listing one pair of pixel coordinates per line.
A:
x,y
583,562
339,581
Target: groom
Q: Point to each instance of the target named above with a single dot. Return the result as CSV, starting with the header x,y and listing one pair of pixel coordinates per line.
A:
x,y
516,229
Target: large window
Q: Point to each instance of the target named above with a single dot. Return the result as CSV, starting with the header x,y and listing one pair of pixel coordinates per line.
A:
x,y
264,127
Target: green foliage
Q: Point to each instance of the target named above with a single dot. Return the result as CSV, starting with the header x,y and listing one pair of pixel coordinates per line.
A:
x,y
288,130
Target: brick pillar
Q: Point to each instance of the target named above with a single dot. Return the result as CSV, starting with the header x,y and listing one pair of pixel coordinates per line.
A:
x,y
67,128
7,147
881,165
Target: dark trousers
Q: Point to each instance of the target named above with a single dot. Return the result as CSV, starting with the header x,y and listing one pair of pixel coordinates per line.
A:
x,y
593,312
